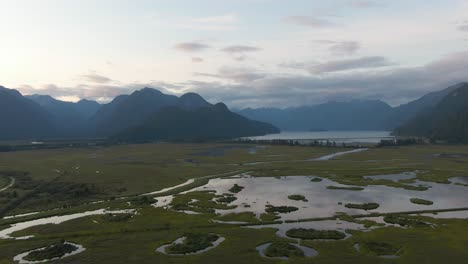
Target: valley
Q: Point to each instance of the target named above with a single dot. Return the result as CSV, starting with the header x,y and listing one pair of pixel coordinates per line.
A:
x,y
137,198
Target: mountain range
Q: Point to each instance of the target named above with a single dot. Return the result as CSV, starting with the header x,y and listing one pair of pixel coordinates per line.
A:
x,y
149,114
146,114
351,115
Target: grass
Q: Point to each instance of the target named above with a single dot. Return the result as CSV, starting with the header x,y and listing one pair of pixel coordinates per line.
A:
x,y
311,234
365,206
421,201
404,220
379,248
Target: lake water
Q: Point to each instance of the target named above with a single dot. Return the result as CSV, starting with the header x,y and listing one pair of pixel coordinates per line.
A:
x,y
323,202
337,136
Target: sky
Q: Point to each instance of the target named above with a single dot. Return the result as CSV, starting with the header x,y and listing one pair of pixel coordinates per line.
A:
x,y
245,53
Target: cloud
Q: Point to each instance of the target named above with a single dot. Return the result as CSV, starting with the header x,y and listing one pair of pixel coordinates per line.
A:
x,y
463,26
238,75
93,77
251,87
197,60
191,46
365,3
309,21
344,48
349,64
226,22
240,49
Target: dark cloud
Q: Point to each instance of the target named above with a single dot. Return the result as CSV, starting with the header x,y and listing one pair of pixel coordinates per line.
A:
x,y
395,86
95,78
191,46
349,64
344,48
240,49
197,59
310,21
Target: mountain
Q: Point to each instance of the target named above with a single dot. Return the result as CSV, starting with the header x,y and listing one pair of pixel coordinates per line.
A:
x,y
128,111
71,118
208,122
22,118
447,120
352,115
403,113
132,110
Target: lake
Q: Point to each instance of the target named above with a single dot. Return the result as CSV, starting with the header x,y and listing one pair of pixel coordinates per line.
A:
x,y
337,136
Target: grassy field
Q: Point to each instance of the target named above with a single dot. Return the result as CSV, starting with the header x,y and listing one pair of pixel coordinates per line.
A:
x,y
69,178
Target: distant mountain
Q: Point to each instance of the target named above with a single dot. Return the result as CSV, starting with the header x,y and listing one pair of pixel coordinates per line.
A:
x,y
403,113
447,120
22,118
208,122
132,110
353,115
71,118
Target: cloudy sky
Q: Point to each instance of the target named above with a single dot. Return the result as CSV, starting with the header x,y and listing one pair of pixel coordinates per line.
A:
x,y
246,53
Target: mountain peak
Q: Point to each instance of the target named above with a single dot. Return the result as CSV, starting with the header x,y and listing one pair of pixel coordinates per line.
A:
x,y
192,101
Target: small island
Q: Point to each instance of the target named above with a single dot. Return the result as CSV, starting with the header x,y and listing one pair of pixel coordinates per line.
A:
x,y
421,201
192,243
283,250
236,188
297,197
365,206
280,209
311,234
54,251
348,188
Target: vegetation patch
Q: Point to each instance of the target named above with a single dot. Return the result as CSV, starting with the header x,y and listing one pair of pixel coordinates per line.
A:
x,y
200,202
226,198
238,217
311,234
365,206
380,248
117,217
283,249
280,209
192,242
269,217
297,197
143,200
351,188
404,220
316,180
236,188
421,201
53,251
